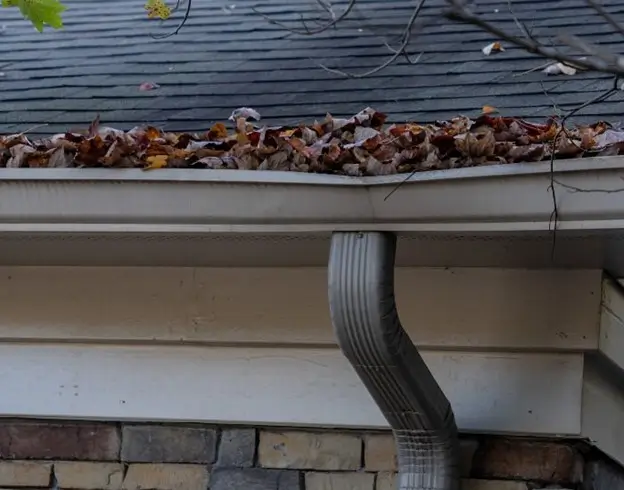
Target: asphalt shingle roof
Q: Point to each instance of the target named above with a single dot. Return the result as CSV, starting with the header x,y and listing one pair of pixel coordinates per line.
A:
x,y
227,56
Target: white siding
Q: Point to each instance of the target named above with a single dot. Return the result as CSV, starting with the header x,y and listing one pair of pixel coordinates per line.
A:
x,y
603,411
527,393
448,308
611,339
256,345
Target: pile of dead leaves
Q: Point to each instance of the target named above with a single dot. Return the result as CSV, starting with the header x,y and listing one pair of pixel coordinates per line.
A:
x,y
361,145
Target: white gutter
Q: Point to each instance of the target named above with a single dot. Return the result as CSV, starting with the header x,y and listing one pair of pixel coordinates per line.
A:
x,y
500,198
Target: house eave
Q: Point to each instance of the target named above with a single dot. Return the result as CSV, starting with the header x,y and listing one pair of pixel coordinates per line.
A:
x,y
499,201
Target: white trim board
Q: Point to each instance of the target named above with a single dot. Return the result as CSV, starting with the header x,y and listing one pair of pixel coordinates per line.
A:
x,y
603,408
611,338
490,392
456,308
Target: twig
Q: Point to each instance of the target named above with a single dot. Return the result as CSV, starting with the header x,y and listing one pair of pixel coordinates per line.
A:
x,y
335,20
603,62
554,216
405,39
606,16
597,191
531,70
182,23
33,128
521,26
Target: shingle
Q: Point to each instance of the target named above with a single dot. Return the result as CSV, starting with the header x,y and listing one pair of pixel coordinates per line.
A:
x,y
220,61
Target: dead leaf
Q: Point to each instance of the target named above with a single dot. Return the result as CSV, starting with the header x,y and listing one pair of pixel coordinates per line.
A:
x,y
156,161
609,137
218,131
146,86
494,47
210,162
355,146
93,127
559,69
277,161
59,158
288,133
18,154
151,133
245,113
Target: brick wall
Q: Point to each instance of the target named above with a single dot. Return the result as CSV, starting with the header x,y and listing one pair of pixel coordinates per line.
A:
x,y
87,456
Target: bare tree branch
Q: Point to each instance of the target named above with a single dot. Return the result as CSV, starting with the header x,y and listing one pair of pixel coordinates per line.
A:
x,y
599,60
405,39
187,13
325,5
606,16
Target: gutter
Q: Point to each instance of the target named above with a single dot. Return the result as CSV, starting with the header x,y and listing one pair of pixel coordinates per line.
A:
x,y
501,198
370,335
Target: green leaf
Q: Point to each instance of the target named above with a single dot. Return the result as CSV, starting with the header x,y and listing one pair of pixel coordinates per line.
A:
x,y
39,12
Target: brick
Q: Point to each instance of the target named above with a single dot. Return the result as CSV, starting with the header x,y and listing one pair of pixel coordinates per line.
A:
x,y
89,476
339,481
142,476
603,476
237,448
380,452
386,481
308,450
254,479
168,444
25,474
492,485
528,460
52,440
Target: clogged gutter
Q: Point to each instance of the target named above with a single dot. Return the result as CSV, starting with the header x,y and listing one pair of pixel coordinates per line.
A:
x,y
359,146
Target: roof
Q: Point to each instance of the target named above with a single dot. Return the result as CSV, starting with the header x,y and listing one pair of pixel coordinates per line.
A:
x,y
227,56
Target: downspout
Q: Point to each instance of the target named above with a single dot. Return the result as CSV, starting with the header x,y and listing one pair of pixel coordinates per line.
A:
x,y
369,333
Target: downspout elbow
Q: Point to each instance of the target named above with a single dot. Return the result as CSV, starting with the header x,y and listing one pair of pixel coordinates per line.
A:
x,y
369,333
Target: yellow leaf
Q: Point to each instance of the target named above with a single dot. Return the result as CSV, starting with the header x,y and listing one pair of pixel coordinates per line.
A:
x,y
288,133
156,161
180,153
152,133
218,131
157,9
488,109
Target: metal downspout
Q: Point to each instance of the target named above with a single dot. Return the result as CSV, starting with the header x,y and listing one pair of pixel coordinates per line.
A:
x,y
366,323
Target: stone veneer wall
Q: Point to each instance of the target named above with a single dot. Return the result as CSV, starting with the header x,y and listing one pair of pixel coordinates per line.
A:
x,y
87,456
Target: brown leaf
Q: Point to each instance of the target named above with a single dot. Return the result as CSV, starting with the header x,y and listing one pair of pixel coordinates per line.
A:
x,y
352,169
211,163
277,161
59,158
358,145
529,153
94,127
375,167
476,147
18,155
218,131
